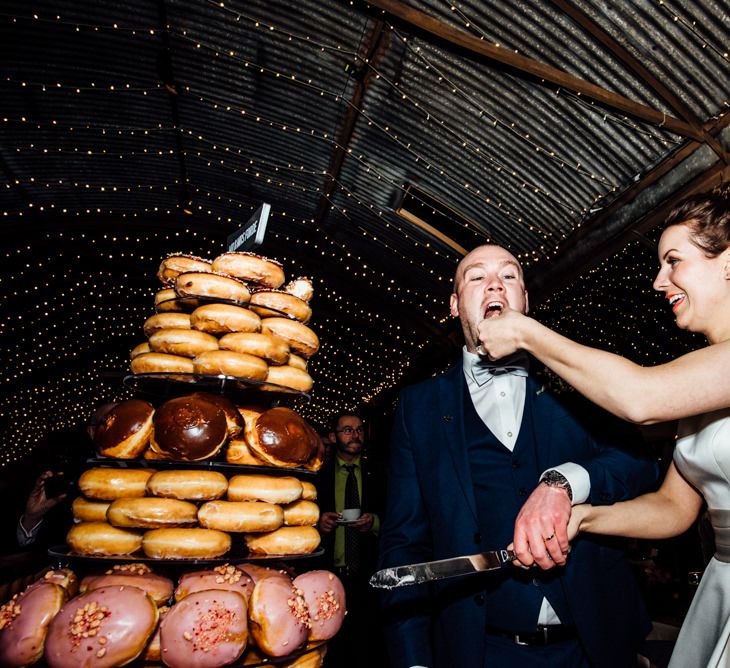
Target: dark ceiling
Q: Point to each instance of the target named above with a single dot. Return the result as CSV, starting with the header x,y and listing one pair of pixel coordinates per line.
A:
x,y
562,130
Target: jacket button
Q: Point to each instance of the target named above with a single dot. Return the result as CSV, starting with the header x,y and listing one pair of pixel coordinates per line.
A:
x,y
477,537
479,599
536,582
522,491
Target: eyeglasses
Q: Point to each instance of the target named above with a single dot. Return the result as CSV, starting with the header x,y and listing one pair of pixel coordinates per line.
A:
x,y
350,430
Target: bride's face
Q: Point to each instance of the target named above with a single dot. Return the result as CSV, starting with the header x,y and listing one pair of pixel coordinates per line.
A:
x,y
695,285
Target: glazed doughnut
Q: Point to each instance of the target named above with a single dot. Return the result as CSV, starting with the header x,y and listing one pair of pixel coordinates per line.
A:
x,y
107,484
207,629
125,429
300,287
309,491
325,598
103,628
161,363
269,488
234,420
281,437
229,363
24,622
88,510
165,321
195,543
183,342
151,512
297,362
300,513
284,541
251,268
240,516
64,577
189,428
157,587
278,617
188,485
224,318
139,349
226,576
102,539
214,286
166,301
300,338
239,453
266,346
177,263
273,303
291,377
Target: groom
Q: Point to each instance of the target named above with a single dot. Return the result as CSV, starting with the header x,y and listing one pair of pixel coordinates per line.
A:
x,y
482,456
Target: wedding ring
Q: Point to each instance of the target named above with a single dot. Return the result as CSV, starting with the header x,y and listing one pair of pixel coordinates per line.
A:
x,y
550,537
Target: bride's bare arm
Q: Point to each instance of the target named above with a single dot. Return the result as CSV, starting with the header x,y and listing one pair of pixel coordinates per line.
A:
x,y
694,383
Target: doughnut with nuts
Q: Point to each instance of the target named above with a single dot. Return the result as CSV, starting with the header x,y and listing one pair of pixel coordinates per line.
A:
x,y
278,616
151,512
240,516
157,587
291,377
183,342
324,595
161,363
229,363
224,318
251,268
64,577
266,346
213,286
273,303
102,539
269,488
283,541
188,485
177,263
301,339
165,321
107,484
193,543
104,628
125,429
225,576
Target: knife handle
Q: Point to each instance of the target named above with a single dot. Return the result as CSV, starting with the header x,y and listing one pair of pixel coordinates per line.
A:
x,y
507,556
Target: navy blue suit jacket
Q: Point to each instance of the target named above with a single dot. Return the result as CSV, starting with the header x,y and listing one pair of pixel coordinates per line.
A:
x,y
431,514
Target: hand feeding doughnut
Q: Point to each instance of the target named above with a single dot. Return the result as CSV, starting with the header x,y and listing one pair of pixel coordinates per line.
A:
x,y
151,512
24,622
250,267
125,430
278,617
281,437
300,287
161,363
165,321
300,338
325,598
229,363
139,349
301,513
166,301
183,342
194,543
240,516
188,485
273,303
88,510
103,628
157,587
207,629
283,541
266,346
214,286
102,539
107,484
189,428
269,488
291,377
177,263
226,576
224,318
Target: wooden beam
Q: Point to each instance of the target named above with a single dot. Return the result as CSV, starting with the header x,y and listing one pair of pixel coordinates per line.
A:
x,y
535,68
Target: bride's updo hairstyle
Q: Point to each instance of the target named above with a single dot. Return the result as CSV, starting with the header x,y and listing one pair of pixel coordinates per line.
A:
x,y
708,217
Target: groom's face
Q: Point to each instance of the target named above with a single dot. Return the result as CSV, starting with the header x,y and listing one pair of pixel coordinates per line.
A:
x,y
487,280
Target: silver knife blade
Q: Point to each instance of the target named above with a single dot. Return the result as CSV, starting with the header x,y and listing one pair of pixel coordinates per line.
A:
x,y
411,574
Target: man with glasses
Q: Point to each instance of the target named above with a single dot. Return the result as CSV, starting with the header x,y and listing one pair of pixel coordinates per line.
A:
x,y
349,499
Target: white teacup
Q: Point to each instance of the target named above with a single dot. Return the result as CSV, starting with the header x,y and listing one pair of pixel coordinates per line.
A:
x,y
350,514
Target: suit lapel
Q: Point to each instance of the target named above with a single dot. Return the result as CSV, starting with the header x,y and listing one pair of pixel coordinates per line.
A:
x,y
541,408
451,402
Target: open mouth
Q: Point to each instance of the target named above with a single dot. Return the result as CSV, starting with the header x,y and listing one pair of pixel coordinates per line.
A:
x,y
493,308
676,299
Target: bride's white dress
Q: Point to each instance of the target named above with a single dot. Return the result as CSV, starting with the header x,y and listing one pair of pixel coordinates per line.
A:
x,y
702,456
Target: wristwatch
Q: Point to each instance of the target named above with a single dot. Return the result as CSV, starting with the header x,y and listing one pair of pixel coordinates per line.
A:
x,y
554,478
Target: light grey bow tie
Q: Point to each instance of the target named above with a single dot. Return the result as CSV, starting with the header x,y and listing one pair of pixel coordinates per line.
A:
x,y
485,370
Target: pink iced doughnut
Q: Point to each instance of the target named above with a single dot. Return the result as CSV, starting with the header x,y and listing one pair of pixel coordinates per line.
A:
x,y
325,597
278,616
226,576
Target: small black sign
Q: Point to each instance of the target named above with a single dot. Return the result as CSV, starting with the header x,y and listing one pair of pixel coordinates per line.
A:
x,y
252,233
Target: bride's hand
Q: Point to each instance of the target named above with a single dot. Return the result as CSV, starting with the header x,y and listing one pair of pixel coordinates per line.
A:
x,y
577,516
499,335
